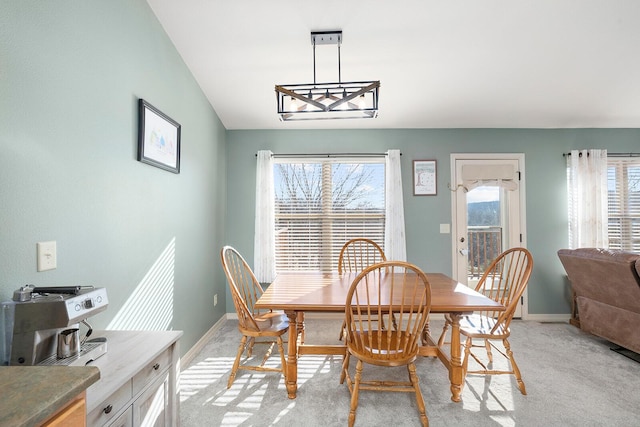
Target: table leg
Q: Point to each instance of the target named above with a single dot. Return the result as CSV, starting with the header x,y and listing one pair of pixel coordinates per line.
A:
x,y
292,355
426,333
300,325
456,374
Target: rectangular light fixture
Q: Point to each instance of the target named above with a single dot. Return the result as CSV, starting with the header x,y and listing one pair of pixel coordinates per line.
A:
x,y
328,101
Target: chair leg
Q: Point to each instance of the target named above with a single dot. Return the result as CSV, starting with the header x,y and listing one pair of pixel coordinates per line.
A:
x,y
487,345
354,394
413,377
283,361
252,342
236,363
465,361
345,367
342,328
443,334
514,366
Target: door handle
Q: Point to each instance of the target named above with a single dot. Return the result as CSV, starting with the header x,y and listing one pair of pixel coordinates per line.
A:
x,y
464,252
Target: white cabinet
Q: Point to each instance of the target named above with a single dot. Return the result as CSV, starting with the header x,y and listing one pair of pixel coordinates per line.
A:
x,y
150,409
138,380
124,420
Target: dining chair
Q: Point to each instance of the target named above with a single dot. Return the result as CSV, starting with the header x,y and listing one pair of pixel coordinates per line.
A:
x,y
503,281
355,256
386,287
267,325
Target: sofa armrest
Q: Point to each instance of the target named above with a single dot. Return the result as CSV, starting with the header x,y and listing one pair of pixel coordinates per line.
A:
x,y
604,275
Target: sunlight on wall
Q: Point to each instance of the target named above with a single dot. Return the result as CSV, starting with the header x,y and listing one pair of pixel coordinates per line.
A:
x,y
150,306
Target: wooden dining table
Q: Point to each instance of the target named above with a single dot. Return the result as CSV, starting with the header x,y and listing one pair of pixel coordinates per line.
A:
x,y
297,293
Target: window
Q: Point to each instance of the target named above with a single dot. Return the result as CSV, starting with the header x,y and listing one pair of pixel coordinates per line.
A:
x,y
322,203
623,179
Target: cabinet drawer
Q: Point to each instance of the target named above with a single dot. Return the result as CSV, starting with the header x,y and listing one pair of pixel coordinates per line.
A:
x,y
124,420
151,371
111,406
150,409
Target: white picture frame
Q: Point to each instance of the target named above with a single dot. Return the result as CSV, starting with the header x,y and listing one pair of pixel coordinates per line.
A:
x,y
425,178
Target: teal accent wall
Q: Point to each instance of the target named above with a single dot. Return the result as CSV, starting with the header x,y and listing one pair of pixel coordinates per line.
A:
x,y
546,205
71,73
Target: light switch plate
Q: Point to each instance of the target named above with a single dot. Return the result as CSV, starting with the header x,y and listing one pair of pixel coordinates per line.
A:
x,y
445,228
47,257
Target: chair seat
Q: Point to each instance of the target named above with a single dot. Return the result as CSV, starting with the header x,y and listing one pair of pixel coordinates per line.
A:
x,y
479,326
272,323
379,349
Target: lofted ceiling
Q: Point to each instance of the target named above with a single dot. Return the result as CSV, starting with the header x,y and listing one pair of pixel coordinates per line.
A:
x,y
441,63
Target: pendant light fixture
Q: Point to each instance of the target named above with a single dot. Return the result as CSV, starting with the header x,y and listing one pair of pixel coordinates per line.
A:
x,y
325,101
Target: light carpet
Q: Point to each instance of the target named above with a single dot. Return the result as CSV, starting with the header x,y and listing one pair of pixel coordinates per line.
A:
x,y
572,379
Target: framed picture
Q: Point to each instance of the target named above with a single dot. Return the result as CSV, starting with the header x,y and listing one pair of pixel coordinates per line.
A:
x,y
158,138
424,178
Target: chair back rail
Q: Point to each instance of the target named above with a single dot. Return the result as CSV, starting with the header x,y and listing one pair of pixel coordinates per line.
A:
x,y
389,287
245,288
357,254
504,281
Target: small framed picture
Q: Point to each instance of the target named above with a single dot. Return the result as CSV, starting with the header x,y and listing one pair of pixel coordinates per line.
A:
x,y
424,178
158,138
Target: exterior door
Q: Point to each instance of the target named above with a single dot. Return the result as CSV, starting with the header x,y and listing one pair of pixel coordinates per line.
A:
x,y
488,212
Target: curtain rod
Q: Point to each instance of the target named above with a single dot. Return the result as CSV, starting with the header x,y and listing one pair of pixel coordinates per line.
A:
x,y
611,154
331,155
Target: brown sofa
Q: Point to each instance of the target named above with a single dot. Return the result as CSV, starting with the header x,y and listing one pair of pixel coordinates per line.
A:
x,y
606,284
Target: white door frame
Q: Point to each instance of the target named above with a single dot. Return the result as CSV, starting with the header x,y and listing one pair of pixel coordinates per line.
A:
x,y
522,206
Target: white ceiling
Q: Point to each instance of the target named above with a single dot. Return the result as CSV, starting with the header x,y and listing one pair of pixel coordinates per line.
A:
x,y
441,63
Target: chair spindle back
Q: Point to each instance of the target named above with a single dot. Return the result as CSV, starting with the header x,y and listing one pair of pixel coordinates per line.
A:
x,y
504,281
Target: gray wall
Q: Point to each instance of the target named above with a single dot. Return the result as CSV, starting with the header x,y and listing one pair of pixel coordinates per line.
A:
x,y
71,73
545,188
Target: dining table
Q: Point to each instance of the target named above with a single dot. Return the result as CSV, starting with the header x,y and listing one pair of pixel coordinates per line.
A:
x,y
300,292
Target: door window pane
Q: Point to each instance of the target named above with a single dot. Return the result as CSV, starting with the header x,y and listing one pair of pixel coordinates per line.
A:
x,y
484,228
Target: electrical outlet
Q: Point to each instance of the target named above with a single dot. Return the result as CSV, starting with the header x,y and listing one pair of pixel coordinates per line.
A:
x,y
215,300
47,257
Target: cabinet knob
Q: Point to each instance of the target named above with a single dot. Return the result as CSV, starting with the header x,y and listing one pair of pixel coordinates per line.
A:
x,y
156,366
108,409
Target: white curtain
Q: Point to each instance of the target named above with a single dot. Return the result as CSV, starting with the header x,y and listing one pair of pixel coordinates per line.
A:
x,y
395,247
588,218
264,263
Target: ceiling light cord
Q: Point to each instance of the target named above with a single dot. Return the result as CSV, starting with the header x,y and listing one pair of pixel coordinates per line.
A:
x,y
314,63
339,74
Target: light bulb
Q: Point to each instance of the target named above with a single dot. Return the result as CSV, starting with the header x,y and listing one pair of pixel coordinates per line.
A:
x,y
344,105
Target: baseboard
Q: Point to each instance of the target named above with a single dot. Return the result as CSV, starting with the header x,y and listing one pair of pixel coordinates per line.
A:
x,y
198,346
549,318
543,318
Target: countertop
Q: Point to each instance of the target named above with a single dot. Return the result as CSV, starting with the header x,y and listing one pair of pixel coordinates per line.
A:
x,y
31,394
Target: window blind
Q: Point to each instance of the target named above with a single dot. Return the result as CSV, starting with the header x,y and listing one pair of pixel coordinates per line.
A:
x,y
321,204
623,177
